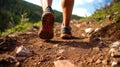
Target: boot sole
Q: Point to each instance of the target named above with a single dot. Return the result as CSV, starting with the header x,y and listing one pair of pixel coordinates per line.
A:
x,y
46,30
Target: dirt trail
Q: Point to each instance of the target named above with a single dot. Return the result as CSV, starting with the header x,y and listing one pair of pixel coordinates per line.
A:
x,y
85,50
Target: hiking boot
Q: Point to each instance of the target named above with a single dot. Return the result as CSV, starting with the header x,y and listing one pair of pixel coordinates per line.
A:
x,y
66,33
46,30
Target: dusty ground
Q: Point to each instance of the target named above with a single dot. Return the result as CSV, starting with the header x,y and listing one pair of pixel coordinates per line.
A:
x,y
85,50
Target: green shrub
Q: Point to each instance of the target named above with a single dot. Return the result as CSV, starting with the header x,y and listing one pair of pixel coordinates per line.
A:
x,y
117,18
99,15
17,28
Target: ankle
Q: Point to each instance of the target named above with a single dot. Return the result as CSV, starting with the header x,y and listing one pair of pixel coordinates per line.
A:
x,y
65,26
49,9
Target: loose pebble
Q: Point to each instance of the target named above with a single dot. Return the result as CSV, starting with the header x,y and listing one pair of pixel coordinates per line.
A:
x,y
23,51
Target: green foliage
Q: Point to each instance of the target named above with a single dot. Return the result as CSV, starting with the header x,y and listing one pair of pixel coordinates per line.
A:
x,y
115,7
38,24
12,11
100,14
76,17
85,19
20,27
58,16
117,18
8,19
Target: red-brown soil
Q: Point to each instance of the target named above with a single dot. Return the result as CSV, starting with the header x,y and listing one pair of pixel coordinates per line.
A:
x,y
85,50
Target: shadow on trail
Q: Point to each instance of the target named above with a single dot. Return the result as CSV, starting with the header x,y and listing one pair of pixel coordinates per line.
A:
x,y
99,38
78,44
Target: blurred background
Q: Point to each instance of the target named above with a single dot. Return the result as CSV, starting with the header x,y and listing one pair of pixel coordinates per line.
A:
x,y
17,15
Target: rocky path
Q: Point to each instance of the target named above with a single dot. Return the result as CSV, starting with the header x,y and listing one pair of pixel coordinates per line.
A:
x,y
82,51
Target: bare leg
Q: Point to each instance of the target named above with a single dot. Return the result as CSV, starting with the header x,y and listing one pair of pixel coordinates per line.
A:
x,y
46,3
67,7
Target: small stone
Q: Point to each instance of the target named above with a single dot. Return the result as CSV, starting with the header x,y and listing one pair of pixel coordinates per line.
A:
x,y
12,35
105,62
98,61
115,55
89,30
112,50
29,33
78,25
114,63
47,49
17,64
23,51
56,45
115,44
61,51
90,60
119,49
60,58
83,35
96,29
63,63
96,49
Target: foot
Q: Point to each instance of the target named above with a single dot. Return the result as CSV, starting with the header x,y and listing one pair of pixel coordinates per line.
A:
x,y
46,30
66,33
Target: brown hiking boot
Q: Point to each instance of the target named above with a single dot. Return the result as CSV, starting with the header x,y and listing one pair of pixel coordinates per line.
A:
x,y
66,33
46,30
